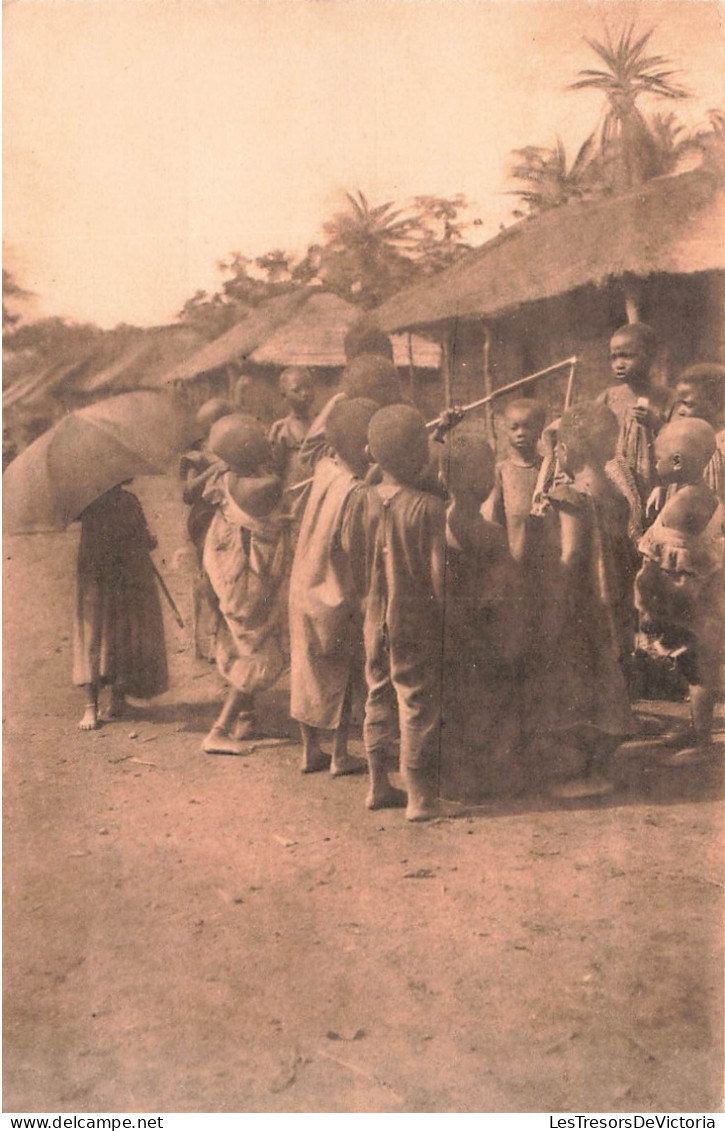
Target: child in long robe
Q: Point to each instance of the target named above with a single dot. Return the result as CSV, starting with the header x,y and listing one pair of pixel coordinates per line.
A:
x,y
679,588
403,615
118,637
196,468
639,405
581,699
246,559
482,638
325,605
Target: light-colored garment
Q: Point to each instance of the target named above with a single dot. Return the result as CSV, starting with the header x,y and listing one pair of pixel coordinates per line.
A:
x,y
246,559
118,632
325,616
715,471
509,503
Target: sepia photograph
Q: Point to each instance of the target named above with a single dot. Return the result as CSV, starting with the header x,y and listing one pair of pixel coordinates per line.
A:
x,y
363,398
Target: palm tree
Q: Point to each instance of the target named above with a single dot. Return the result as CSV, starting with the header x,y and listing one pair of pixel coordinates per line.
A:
x,y
365,255
626,143
547,178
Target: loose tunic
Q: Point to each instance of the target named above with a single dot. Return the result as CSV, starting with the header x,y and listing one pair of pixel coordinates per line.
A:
x,y
325,606
509,504
118,633
403,624
581,684
635,444
246,559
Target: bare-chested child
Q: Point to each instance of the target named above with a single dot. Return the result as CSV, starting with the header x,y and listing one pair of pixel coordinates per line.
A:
x,y
509,503
327,587
679,589
639,405
700,392
287,435
246,559
403,615
580,702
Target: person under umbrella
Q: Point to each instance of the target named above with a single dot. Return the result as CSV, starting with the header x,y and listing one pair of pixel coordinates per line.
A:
x,y
118,628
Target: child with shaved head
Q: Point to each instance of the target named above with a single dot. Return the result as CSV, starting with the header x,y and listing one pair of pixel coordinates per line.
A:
x,y
287,435
679,589
326,591
403,618
639,405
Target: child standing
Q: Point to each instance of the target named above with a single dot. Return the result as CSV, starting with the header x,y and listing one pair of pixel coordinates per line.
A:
x,y
403,616
245,557
509,503
581,697
700,392
287,435
118,637
482,637
639,405
326,597
679,589
196,468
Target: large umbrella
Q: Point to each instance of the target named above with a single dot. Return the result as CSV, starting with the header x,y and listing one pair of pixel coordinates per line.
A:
x,y
87,453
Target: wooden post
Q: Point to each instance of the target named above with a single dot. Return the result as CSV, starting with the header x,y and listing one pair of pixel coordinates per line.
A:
x,y
488,384
447,367
632,298
411,368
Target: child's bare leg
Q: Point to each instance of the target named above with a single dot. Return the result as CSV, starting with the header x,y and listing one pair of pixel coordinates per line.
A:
x,y
342,762
382,794
422,801
89,720
594,780
219,739
702,709
314,758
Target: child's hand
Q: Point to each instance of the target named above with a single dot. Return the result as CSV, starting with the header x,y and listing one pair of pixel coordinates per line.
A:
x,y
549,437
641,414
654,504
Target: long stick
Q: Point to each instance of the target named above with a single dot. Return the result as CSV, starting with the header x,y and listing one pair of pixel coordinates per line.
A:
x,y
167,595
570,361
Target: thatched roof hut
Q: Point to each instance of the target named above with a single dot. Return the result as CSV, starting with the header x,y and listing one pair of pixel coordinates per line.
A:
x,y
315,336
560,282
141,363
672,225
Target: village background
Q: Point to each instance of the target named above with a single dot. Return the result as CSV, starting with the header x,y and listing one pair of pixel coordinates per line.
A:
x,y
194,934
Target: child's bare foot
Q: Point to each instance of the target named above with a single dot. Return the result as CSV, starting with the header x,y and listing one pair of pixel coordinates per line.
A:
x,y
90,718
345,764
220,741
421,809
246,728
386,798
593,786
315,762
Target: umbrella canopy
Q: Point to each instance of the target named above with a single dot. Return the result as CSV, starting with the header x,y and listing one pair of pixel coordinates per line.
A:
x,y
87,453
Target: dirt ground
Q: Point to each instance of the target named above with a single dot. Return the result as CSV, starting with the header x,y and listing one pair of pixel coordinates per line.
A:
x,y
194,934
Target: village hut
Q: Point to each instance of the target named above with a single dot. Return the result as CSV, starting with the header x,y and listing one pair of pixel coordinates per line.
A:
x,y
215,369
140,363
305,327
559,283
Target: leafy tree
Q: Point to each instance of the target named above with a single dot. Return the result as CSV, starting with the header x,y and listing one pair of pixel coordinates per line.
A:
x,y
12,293
548,180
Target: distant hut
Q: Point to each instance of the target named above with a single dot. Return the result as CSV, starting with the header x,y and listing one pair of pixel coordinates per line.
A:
x,y
141,363
304,327
560,282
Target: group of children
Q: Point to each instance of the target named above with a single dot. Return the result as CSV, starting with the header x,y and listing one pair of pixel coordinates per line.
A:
x,y
489,610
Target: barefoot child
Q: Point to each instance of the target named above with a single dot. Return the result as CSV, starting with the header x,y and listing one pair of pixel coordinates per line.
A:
x,y
639,405
287,435
482,638
403,616
325,608
118,638
581,698
509,503
679,589
245,557
196,467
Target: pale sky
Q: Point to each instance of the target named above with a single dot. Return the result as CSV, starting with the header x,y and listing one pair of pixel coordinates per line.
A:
x,y
144,140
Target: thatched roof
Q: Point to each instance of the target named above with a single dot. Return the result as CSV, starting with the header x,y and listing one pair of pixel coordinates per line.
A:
x,y
315,336
239,341
142,363
673,225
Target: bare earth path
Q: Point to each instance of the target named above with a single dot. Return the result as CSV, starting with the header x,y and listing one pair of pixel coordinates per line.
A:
x,y
186,933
